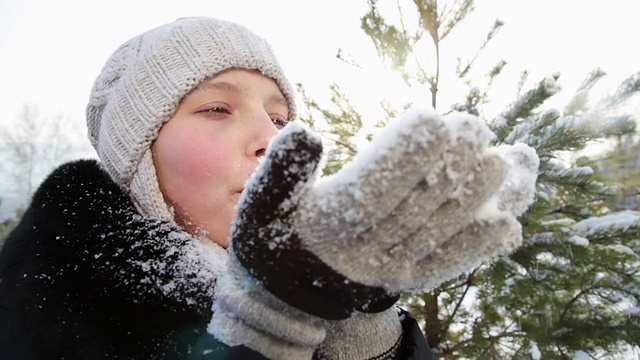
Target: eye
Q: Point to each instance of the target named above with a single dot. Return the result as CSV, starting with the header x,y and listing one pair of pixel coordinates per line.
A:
x,y
217,109
279,121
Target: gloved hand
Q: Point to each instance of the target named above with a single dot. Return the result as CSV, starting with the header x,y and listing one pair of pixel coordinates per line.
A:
x,y
368,336
324,247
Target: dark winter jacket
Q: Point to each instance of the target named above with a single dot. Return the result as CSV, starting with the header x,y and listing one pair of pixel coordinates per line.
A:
x,y
84,276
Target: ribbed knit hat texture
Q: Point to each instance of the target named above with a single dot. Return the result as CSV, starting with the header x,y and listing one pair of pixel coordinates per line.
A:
x,y
143,82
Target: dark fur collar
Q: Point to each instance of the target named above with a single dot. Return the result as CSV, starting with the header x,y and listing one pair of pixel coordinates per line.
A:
x,y
89,277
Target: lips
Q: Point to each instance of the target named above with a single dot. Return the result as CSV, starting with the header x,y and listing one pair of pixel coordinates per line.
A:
x,y
237,194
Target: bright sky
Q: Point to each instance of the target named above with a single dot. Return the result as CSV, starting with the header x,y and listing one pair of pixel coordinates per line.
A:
x,y
51,51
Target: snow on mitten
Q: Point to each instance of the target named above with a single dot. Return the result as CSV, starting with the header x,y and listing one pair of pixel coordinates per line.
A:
x,y
482,239
518,190
377,335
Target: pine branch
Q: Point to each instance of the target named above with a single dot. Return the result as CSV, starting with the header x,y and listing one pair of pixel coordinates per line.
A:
x,y
497,25
524,106
455,16
572,301
467,285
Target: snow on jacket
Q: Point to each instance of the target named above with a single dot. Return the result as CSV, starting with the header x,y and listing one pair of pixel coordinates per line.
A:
x,y
84,276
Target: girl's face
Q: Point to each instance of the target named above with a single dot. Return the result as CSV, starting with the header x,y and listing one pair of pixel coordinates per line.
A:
x,y
205,153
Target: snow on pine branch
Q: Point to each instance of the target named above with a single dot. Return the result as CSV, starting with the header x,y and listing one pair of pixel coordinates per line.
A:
x,y
552,131
620,222
557,169
554,174
627,89
523,107
549,132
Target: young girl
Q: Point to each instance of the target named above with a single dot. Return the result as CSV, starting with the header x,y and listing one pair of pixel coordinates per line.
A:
x,y
174,246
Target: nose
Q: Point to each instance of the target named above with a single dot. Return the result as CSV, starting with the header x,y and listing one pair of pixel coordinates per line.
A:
x,y
262,130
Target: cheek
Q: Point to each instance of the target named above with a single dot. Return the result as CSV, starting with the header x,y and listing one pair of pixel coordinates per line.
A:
x,y
204,160
195,156
196,168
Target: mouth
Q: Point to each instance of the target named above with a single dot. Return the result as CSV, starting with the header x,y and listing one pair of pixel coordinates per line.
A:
x,y
235,198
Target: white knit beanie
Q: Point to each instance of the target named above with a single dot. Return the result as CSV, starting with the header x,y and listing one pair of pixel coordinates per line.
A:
x,y
142,84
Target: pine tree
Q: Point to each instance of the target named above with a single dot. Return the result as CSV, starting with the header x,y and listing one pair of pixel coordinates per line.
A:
x,y
574,286
621,165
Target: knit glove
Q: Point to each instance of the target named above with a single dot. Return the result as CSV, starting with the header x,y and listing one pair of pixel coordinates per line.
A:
x,y
362,336
322,248
378,335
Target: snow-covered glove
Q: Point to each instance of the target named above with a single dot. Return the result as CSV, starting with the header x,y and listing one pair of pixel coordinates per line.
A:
x,y
352,240
378,335
482,240
518,190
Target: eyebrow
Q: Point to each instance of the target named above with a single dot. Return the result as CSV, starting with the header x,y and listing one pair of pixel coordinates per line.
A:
x,y
234,88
